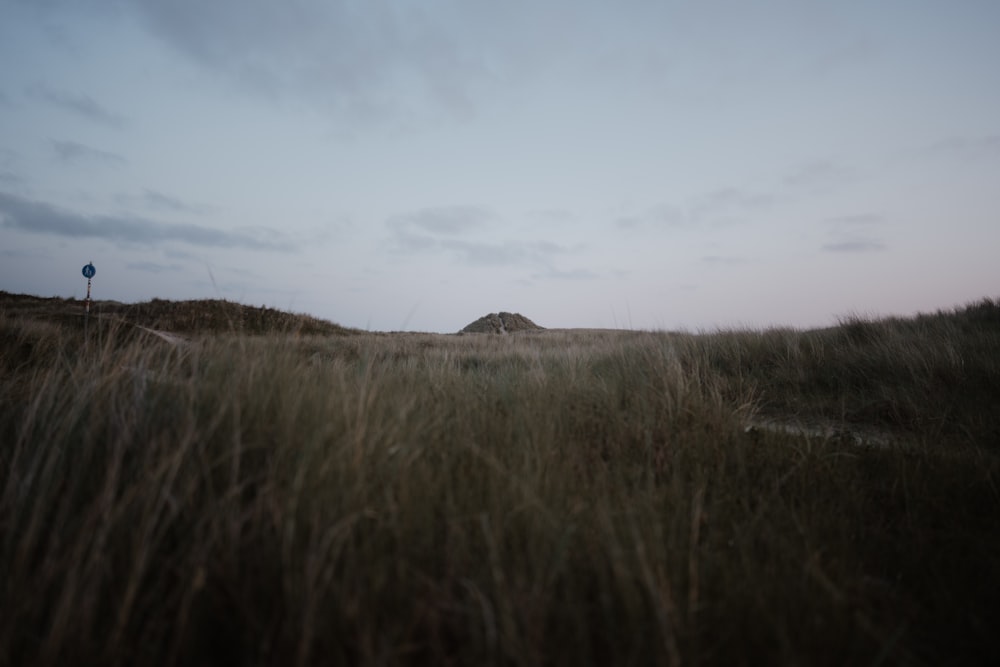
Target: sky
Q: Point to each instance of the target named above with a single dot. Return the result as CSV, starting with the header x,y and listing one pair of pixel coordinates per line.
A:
x,y
416,164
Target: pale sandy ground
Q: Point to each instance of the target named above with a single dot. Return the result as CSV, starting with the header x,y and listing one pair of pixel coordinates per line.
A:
x,y
171,338
824,431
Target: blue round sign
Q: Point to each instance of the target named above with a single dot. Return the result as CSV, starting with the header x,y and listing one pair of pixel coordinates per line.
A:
x,y
89,271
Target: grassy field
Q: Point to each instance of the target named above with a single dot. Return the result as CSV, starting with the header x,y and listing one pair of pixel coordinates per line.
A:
x,y
280,490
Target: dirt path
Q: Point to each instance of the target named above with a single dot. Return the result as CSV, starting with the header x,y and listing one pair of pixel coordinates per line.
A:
x,y
171,338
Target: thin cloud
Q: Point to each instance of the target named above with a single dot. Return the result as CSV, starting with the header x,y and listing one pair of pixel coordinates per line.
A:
x,y
154,267
666,215
820,175
71,151
160,201
552,216
629,222
445,220
425,229
659,216
856,245
406,242
844,52
851,233
506,253
337,55
24,254
860,219
8,167
730,199
384,61
184,255
82,105
572,275
715,207
41,218
157,201
966,149
724,260
453,229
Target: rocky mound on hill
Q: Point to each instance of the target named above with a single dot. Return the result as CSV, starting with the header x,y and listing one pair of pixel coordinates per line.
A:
x,y
501,323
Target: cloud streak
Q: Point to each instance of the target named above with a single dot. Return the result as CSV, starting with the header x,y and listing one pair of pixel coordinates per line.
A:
x,y
852,233
71,151
158,201
154,267
423,229
81,105
718,207
505,253
7,160
856,245
966,149
860,219
41,218
723,260
343,56
570,275
454,229
820,176
444,220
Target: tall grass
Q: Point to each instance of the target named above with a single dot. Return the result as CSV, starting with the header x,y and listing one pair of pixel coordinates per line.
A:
x,y
934,376
550,498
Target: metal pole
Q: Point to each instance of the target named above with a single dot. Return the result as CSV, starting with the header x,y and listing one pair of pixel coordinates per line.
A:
x,y
86,314
88,273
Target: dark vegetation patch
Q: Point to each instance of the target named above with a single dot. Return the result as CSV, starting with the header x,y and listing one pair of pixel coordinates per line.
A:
x,y
202,316
501,323
934,374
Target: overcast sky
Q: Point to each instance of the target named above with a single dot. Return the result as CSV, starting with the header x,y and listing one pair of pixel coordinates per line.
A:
x,y
417,164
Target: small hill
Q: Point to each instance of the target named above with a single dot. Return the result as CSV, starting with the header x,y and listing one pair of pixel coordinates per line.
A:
x,y
501,323
220,316
205,316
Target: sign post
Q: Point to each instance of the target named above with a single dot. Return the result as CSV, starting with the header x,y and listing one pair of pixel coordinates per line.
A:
x,y
88,273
